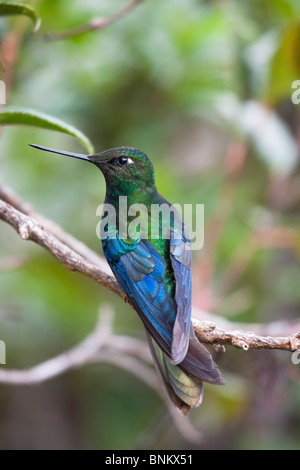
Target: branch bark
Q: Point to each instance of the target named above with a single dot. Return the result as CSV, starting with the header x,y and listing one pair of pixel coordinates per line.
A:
x,y
207,332
9,196
104,347
30,229
98,347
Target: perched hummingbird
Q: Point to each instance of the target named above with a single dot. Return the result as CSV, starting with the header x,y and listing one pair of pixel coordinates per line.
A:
x,y
155,273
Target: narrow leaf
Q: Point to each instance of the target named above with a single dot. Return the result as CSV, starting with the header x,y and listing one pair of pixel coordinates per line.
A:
x,y
30,117
9,9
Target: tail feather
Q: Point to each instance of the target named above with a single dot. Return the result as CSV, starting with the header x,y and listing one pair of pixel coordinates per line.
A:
x,y
188,388
185,391
184,382
199,363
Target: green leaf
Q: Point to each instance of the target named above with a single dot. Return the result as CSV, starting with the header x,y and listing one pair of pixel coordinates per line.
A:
x,y
8,9
30,117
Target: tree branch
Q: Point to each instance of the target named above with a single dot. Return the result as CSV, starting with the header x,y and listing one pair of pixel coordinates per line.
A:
x,y
96,348
30,229
209,333
95,24
9,196
104,347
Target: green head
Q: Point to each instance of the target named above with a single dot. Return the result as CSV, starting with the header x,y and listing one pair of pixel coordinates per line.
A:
x,y
126,170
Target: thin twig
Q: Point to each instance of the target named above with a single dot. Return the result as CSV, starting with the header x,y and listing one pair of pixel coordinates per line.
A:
x,y
104,347
209,333
96,348
95,24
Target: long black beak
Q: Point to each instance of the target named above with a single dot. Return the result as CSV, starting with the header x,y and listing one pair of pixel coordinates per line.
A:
x,y
61,152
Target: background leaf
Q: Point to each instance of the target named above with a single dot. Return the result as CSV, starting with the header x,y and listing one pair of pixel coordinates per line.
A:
x,y
9,9
34,118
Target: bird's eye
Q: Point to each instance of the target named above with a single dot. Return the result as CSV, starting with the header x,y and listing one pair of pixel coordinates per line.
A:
x,y
122,161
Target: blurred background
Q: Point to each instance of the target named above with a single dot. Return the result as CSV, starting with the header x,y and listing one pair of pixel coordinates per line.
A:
x,y
204,88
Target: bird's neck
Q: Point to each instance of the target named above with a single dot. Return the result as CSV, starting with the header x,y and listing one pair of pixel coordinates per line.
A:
x,y
135,194
132,204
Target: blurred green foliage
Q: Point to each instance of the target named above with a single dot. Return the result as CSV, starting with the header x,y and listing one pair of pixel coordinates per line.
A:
x,y
204,88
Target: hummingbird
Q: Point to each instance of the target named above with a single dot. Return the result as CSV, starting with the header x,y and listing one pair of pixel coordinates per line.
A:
x,y
155,273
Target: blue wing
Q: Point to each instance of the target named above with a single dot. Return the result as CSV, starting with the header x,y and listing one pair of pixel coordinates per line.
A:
x,y
140,270
181,258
